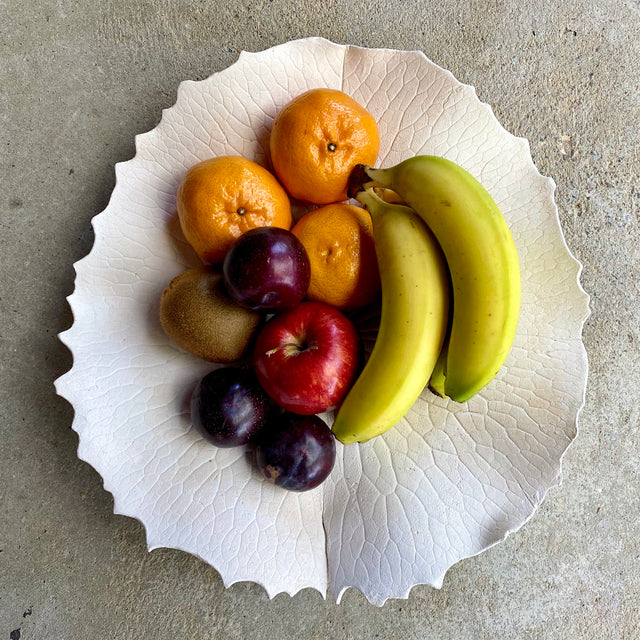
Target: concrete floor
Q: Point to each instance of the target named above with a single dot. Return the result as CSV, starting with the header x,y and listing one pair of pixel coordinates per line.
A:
x,y
78,80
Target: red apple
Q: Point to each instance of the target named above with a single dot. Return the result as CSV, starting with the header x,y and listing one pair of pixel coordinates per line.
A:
x,y
307,358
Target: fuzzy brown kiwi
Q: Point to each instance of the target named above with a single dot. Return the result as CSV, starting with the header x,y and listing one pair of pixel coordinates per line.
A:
x,y
199,316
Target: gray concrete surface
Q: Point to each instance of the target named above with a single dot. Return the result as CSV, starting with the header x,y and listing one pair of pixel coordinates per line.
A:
x,y
78,80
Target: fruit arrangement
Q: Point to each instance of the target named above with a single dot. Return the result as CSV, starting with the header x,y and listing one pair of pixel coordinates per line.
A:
x,y
428,247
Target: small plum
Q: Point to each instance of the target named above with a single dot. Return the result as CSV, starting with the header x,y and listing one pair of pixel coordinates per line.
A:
x,y
267,269
296,452
229,406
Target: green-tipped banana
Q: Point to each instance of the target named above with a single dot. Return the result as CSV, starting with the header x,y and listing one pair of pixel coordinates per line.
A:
x,y
482,261
413,323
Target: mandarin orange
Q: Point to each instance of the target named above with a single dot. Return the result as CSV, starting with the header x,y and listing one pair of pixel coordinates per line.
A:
x,y
338,239
317,139
221,198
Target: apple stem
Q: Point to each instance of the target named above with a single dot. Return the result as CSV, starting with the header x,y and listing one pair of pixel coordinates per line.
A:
x,y
290,347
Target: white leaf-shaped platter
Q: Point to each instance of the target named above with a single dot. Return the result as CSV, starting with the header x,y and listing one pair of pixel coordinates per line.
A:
x,y
450,480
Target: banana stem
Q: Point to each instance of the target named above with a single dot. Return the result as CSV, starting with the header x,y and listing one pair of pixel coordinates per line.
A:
x,y
375,205
357,180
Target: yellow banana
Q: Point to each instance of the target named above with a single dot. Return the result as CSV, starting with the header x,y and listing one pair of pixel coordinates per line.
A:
x,y
482,261
413,323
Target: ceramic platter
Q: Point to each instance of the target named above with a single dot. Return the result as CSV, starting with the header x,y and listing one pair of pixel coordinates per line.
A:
x,y
450,480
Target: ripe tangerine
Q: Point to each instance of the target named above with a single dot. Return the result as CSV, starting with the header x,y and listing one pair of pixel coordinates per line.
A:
x,y
221,198
316,141
338,239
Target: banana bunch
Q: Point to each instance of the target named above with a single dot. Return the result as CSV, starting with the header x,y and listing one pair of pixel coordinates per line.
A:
x,y
419,341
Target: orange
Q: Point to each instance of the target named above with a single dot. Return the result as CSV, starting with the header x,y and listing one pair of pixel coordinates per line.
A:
x,y
220,199
317,139
339,242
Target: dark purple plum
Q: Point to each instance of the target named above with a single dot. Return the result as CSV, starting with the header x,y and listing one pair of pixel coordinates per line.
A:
x,y
296,452
267,269
230,406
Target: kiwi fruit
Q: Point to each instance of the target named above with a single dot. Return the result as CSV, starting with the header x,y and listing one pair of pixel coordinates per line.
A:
x,y
198,315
